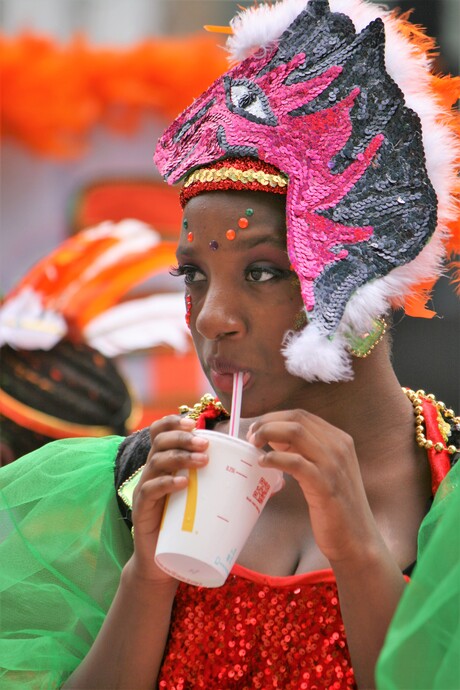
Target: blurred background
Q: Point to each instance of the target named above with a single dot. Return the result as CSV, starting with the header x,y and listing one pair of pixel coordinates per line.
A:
x,y
87,88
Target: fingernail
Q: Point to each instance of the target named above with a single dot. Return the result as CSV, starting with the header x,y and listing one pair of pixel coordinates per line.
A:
x,y
198,442
199,458
187,423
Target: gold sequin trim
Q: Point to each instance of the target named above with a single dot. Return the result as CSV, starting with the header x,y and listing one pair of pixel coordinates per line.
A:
x,y
236,175
363,345
126,490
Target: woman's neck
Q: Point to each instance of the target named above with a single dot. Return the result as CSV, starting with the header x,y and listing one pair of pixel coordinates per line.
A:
x,y
371,408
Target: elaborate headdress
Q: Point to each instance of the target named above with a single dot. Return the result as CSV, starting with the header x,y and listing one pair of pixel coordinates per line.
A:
x,y
339,98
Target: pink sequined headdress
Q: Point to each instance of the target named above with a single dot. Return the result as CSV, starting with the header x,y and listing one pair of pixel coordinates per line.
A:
x,y
339,98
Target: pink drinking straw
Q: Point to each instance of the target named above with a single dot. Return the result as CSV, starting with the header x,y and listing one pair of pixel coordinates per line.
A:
x,y
235,413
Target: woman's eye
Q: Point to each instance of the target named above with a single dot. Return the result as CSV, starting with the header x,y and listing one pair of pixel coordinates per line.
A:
x,y
262,274
191,274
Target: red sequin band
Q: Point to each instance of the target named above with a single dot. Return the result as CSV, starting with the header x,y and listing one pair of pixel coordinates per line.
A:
x,y
243,174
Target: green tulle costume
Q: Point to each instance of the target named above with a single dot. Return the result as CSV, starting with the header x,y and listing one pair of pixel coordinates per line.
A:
x,y
422,648
63,544
60,564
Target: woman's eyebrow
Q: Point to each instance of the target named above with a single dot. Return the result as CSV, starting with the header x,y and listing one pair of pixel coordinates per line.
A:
x,y
245,241
184,251
250,241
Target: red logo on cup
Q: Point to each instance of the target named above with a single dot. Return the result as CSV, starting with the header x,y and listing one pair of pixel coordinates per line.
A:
x,y
261,490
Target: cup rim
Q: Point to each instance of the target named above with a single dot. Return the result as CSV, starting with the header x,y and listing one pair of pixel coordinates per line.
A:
x,y
241,443
231,439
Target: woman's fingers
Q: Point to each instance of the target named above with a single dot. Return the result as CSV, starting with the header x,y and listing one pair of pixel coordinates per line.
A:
x,y
296,433
322,459
148,497
174,447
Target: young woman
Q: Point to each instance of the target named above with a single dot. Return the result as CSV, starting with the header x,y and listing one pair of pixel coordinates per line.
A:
x,y
308,214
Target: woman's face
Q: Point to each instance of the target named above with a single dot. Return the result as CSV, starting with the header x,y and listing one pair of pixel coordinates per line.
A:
x,y
244,297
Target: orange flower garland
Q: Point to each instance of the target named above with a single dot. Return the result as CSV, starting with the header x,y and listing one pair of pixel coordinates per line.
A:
x,y
54,94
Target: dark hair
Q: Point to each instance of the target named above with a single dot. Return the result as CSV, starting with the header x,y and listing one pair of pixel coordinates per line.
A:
x,y
71,382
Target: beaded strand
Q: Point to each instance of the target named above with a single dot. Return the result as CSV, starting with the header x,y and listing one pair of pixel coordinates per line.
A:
x,y
206,401
416,399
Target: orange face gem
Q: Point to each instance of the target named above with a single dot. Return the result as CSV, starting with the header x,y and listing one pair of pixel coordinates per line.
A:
x,y
243,222
230,234
190,237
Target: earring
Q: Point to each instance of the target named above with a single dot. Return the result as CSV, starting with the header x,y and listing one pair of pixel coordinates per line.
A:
x,y
362,346
188,310
300,320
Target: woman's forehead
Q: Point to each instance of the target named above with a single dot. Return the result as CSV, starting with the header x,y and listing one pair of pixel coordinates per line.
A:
x,y
236,220
264,204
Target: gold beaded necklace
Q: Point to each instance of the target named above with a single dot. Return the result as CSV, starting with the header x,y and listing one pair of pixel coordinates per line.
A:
x,y
414,396
416,399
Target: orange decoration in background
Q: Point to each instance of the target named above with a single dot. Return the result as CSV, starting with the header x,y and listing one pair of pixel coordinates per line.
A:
x,y
53,94
149,200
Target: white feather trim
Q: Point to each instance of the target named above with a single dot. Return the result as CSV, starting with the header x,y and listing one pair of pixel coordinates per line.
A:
x,y
314,357
260,25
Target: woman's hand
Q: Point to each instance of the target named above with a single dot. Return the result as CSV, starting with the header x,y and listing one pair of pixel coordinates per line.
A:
x,y
174,448
323,460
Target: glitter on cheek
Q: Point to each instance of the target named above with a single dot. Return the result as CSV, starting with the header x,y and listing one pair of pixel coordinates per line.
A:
x,y
243,223
185,223
230,234
214,245
188,310
249,212
190,237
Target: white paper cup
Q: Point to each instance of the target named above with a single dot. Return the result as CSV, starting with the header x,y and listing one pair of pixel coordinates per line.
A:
x,y
205,526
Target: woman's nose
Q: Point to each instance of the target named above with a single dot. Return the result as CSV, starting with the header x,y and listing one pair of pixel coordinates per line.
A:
x,y
219,314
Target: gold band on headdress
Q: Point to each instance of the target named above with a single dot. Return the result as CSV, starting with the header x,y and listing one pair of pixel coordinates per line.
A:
x,y
240,174
51,426
236,175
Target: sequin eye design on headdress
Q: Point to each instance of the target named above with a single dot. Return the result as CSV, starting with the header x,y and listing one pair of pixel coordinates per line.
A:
x,y
318,104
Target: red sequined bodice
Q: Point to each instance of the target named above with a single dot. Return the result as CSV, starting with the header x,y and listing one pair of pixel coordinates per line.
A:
x,y
258,632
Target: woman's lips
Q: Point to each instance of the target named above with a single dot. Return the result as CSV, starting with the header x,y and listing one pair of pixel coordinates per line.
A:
x,y
223,381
